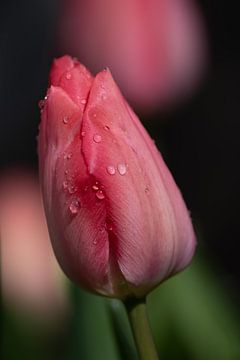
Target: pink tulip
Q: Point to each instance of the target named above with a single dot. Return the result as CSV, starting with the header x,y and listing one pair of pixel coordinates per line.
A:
x,y
118,223
156,49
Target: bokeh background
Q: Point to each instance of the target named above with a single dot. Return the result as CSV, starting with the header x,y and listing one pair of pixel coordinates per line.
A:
x,y
195,315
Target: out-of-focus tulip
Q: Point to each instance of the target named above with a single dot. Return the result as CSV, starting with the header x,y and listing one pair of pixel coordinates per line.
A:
x,y
31,279
117,220
156,49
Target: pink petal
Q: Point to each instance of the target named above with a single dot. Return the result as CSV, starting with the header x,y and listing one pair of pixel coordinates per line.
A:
x,y
145,237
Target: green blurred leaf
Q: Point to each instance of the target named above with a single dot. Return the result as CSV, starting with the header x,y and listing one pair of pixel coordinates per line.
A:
x,y
193,314
91,334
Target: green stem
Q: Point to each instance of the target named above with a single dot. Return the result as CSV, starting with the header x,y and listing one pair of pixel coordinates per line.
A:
x,y
142,334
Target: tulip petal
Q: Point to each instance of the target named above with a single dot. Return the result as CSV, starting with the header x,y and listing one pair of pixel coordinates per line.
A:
x,y
82,218
138,207
72,77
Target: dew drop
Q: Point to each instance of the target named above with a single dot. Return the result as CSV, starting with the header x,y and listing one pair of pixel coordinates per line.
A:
x,y
41,104
109,227
68,76
65,185
146,190
106,127
133,149
94,242
122,169
65,120
83,101
74,206
111,170
100,195
95,187
86,188
72,189
83,133
66,172
97,138
69,156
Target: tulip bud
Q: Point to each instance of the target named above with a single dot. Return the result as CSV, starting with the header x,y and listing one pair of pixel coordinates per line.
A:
x,y
117,221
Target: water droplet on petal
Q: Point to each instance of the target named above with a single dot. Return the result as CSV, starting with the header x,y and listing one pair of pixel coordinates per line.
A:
x,y
100,195
95,187
68,76
97,138
65,185
133,149
111,170
72,189
122,169
65,119
83,101
146,190
66,172
94,242
106,127
74,206
83,133
69,156
41,104
109,227
86,188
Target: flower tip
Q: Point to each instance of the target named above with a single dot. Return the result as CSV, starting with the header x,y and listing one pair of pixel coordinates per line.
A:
x,y
73,77
60,66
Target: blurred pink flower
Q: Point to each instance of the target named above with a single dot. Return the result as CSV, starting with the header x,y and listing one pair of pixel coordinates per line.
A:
x,y
117,221
31,279
156,49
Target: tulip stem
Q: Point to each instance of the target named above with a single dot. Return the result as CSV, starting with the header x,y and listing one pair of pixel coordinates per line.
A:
x,y
142,333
